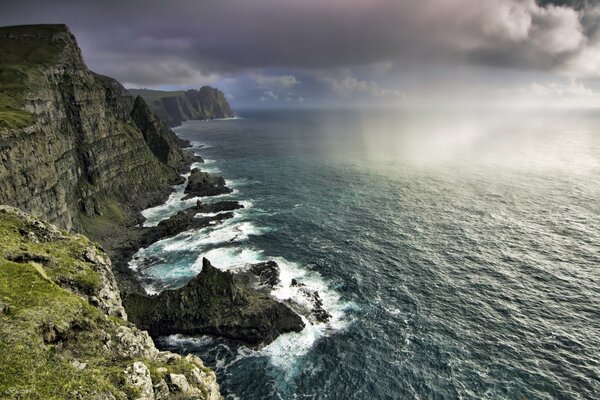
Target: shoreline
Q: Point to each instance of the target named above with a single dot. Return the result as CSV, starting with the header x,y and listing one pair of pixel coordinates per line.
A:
x,y
247,312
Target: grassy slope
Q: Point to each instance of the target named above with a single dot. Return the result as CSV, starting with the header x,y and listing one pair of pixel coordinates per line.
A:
x,y
44,327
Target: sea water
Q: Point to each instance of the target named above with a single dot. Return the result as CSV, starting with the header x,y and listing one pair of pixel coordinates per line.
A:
x,y
457,252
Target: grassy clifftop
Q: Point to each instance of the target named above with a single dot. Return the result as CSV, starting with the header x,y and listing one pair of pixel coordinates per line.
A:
x,y
24,49
58,337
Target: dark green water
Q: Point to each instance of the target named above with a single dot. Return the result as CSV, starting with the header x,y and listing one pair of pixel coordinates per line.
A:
x,y
459,254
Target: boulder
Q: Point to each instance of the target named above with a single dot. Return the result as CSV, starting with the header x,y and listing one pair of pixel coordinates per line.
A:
x,y
138,376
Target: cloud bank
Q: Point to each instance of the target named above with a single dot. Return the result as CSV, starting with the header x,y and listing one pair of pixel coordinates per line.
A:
x,y
349,47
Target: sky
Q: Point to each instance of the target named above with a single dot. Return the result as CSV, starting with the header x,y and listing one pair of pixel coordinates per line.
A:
x,y
292,53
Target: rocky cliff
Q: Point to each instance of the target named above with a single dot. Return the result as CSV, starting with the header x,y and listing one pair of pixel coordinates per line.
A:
x,y
75,147
178,106
64,332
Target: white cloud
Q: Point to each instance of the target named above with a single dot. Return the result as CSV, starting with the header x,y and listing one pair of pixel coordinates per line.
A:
x,y
268,95
276,82
343,83
558,89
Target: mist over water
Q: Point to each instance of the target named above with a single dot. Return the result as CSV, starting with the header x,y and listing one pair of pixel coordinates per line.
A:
x,y
458,252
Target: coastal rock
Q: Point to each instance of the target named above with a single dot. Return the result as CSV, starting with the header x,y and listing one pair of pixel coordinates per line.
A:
x,y
267,273
134,343
316,311
178,106
178,383
214,302
138,376
228,205
204,184
161,390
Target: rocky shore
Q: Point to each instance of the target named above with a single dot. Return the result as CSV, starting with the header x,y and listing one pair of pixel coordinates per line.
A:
x,y
214,302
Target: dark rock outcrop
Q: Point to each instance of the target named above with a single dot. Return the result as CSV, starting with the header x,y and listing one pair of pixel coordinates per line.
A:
x,y
214,302
267,273
179,106
204,184
227,205
316,312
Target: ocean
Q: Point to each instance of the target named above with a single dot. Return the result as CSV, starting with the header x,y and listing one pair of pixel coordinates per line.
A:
x,y
458,252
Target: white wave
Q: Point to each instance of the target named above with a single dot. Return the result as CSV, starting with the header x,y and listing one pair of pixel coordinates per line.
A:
x,y
246,203
210,214
220,234
227,258
284,351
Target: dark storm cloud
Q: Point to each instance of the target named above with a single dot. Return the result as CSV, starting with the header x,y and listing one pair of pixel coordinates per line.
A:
x,y
183,42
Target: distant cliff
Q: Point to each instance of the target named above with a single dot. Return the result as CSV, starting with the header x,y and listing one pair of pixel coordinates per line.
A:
x,y
178,106
75,147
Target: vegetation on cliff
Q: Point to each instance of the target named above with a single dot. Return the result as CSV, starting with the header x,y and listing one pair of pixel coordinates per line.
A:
x,y
19,60
64,332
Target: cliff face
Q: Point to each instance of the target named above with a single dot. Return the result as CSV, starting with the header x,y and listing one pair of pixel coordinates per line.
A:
x,y
64,332
176,107
83,148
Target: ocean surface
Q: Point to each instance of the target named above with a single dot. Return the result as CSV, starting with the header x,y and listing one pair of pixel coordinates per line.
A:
x,y
457,252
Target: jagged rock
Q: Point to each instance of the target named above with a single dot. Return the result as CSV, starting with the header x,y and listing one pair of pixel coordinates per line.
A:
x,y
267,273
227,205
132,342
161,390
178,383
138,376
214,302
108,297
204,184
179,106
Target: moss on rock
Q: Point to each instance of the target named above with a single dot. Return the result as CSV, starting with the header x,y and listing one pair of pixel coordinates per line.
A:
x,y
55,342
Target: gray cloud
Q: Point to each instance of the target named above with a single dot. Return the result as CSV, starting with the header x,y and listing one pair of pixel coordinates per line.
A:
x,y
186,42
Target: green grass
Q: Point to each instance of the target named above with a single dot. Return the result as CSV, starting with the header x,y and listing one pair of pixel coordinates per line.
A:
x,y
45,327
100,225
65,263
